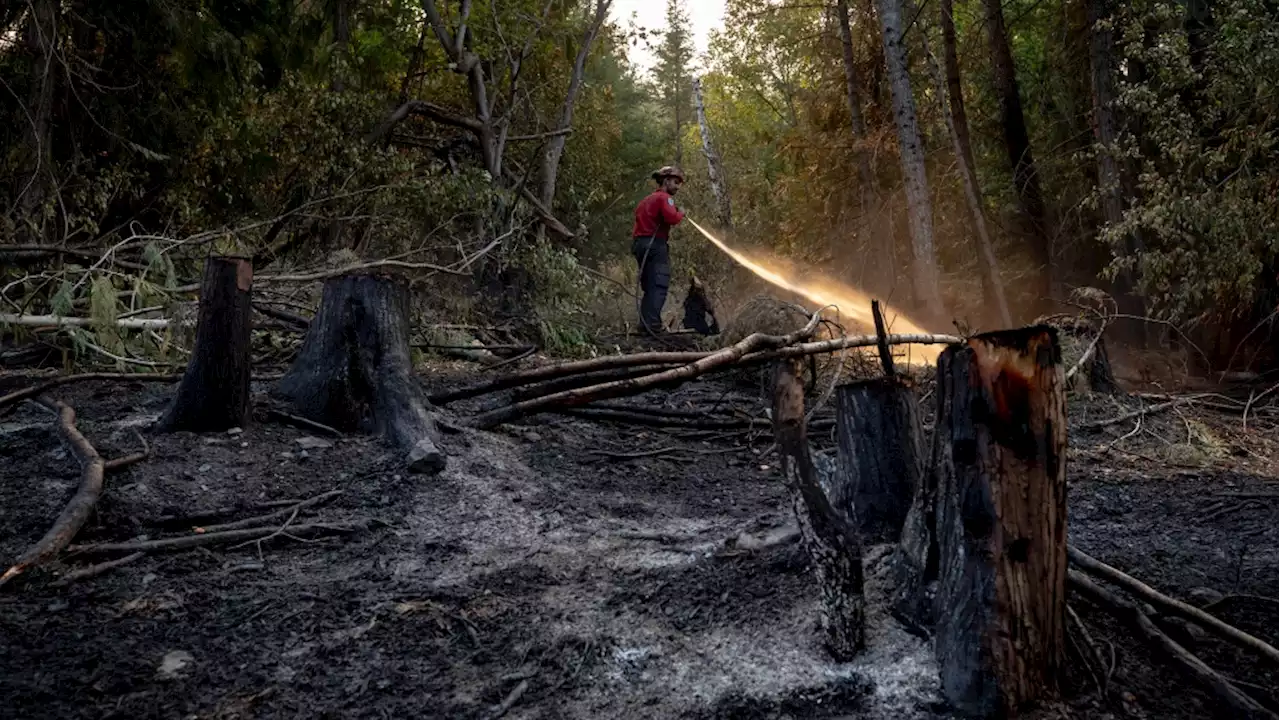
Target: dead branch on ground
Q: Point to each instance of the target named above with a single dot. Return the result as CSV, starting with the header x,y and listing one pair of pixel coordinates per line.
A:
x,y
41,388
302,422
77,511
1177,607
263,519
95,570
187,542
123,462
1243,705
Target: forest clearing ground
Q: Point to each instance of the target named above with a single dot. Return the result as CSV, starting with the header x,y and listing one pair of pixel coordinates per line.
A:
x,y
599,585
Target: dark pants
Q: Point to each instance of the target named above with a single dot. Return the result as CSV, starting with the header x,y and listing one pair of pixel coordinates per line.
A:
x,y
655,277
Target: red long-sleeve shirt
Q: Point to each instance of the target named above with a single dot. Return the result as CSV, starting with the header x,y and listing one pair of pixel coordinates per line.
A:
x,y
655,215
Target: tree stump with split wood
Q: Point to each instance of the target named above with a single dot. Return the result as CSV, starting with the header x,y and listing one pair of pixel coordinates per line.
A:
x,y
1001,520
354,370
831,541
214,392
878,455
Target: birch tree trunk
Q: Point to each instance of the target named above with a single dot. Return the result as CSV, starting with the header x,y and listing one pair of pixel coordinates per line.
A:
x,y
555,146
911,153
992,285
715,171
1017,142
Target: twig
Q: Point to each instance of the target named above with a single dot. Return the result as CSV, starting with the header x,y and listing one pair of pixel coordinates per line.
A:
x,y
1095,655
96,570
1243,705
186,542
511,360
325,274
262,519
1244,418
1177,607
1150,409
303,422
124,462
1088,353
633,455
80,506
512,698
34,390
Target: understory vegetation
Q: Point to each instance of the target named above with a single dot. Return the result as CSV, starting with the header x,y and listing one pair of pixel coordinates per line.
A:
x,y
494,151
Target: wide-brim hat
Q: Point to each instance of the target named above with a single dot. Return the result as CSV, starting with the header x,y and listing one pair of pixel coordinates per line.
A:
x,y
666,172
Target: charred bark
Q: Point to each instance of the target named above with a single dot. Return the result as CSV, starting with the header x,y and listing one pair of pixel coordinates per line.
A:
x,y
879,455
214,392
1001,520
832,543
354,371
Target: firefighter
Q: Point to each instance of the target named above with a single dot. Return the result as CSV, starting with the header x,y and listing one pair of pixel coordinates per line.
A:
x,y
655,215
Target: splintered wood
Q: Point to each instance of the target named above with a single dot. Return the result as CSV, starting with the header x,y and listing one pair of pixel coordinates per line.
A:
x,y
1001,520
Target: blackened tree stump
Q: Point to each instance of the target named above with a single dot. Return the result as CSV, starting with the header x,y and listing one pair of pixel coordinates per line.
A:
x,y
214,392
832,543
878,456
1001,520
354,370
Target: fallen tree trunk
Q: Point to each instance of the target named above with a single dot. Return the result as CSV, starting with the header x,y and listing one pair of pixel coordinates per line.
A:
x,y
77,511
354,370
559,370
1171,605
1001,520
879,455
214,393
632,386
1241,705
831,541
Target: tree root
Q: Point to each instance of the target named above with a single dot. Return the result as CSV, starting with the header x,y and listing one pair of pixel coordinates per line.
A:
x,y
1177,607
123,462
78,509
95,570
1242,705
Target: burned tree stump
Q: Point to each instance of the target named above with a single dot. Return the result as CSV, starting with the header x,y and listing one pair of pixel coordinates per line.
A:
x,y
1001,520
832,543
354,371
879,455
214,392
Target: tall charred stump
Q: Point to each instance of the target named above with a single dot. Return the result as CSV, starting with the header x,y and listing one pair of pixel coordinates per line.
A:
x,y
214,393
1001,520
831,541
354,371
878,456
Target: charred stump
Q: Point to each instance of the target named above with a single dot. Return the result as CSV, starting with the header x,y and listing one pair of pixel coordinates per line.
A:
x,y
1001,520
214,392
878,456
354,370
831,541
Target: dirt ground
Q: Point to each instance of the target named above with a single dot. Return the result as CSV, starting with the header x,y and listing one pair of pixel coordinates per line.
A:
x,y
544,564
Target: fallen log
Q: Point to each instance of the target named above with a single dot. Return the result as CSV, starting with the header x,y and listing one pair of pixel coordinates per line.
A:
x,y
1001,521
41,388
608,362
632,386
1172,605
78,509
1242,705
547,387
831,541
214,393
354,368
878,456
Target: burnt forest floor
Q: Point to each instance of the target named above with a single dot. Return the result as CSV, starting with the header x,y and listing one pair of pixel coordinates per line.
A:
x,y
546,566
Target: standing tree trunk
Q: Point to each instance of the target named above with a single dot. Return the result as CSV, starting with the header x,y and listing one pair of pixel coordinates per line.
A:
x,y
911,153
992,285
41,41
881,240
878,455
1001,520
1017,143
555,146
214,393
832,543
955,92
354,370
715,171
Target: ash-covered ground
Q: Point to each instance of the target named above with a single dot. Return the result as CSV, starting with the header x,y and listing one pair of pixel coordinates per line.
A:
x,y
546,564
